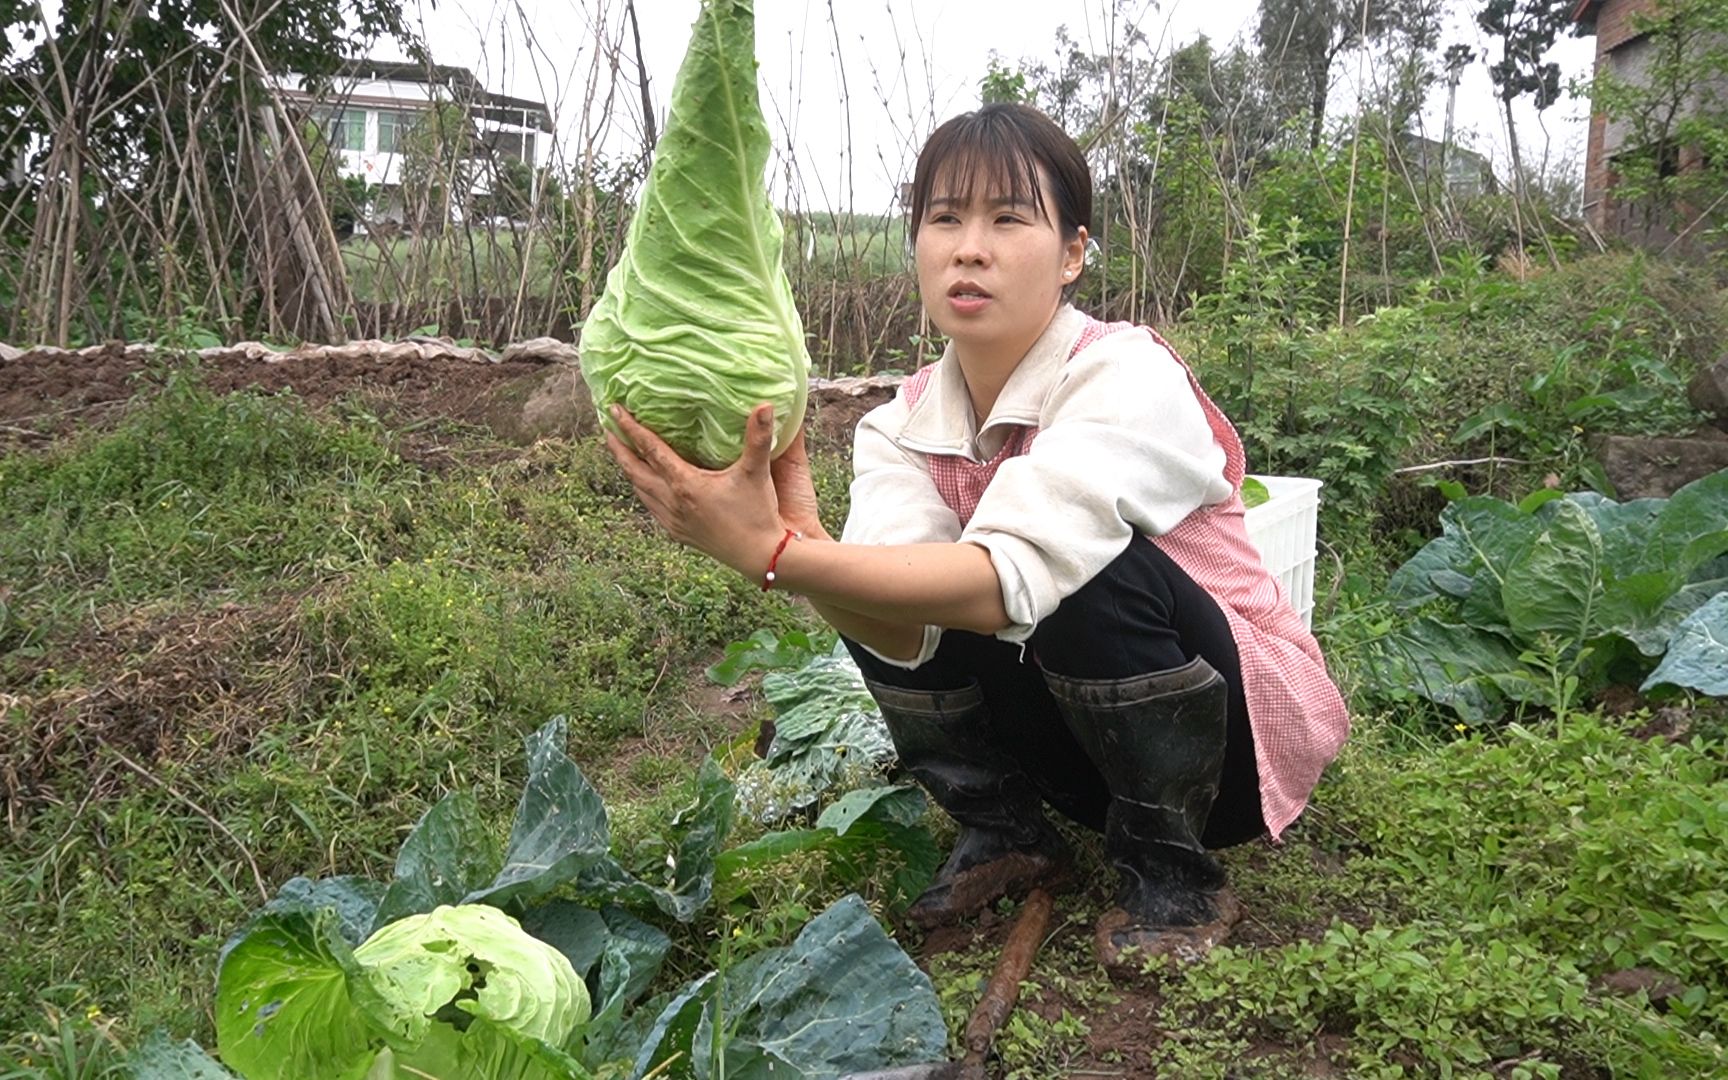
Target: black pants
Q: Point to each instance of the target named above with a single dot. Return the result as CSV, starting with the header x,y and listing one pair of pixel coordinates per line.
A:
x,y
1140,614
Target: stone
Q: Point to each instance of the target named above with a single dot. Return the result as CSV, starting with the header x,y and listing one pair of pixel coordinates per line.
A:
x,y
1708,392
552,403
1657,986
836,405
1641,467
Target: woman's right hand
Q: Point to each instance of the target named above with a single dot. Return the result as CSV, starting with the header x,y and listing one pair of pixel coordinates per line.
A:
x,y
796,490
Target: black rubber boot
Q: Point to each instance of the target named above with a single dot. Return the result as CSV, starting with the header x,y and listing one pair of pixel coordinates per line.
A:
x,y
1158,740
1006,845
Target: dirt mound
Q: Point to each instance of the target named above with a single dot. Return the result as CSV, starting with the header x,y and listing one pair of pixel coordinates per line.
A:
x,y
48,392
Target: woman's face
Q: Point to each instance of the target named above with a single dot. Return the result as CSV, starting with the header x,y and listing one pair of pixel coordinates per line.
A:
x,y
991,271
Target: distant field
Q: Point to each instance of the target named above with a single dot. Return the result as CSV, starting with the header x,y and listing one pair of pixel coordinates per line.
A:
x,y
471,262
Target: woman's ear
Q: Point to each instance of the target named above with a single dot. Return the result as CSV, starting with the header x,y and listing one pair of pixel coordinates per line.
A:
x,y
1074,255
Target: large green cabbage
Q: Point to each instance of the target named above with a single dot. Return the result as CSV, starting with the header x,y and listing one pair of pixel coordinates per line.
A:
x,y
429,970
697,325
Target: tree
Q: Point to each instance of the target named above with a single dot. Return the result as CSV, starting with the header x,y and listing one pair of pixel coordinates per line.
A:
x,y
437,153
1301,40
1002,84
131,121
1527,30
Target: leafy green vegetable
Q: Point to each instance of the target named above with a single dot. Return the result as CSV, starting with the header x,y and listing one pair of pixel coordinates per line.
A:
x,y
161,1058
476,960
468,992
462,993
284,1002
697,325
786,1004
448,855
1698,652
1254,492
828,735
560,827
1544,602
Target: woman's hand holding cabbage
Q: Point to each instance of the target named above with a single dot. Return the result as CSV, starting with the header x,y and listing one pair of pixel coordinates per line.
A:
x,y
733,514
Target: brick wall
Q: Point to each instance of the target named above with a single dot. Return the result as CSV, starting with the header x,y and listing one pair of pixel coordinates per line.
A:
x,y
1613,19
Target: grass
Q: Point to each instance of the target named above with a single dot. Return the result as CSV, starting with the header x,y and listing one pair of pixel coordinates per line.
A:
x,y
285,626
246,642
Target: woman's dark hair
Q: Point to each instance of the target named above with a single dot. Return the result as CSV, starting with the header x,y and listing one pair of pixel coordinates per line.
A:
x,y
1003,144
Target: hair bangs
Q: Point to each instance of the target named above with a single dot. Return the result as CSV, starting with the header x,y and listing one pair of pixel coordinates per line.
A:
x,y
995,169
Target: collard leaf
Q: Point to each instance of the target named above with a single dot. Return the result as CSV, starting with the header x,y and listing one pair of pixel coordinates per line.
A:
x,y
1626,529
1697,657
1460,667
1693,527
560,828
352,900
1480,539
901,804
667,1050
744,1061
734,863
449,855
1556,586
633,955
806,702
857,855
689,880
1652,623
284,1010
840,999
161,1058
697,325
576,930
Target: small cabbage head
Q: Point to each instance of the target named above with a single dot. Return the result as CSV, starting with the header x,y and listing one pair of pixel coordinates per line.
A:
x,y
471,960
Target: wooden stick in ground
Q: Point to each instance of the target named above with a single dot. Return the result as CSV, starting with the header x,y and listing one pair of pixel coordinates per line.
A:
x,y
1011,970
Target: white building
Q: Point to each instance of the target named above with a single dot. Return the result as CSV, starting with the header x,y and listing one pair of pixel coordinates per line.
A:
x,y
371,105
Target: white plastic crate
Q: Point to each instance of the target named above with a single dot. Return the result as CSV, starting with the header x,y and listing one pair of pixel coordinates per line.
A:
x,y
1283,529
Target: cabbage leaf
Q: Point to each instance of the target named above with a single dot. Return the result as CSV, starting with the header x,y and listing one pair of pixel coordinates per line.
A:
x,y
696,326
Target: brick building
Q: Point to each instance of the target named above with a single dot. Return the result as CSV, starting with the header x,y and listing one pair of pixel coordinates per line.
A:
x,y
1625,52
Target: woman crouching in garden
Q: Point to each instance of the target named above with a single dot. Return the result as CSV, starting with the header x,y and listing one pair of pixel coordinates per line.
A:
x,y
1045,576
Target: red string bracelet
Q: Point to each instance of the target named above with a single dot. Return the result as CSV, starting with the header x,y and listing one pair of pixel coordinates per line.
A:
x,y
768,578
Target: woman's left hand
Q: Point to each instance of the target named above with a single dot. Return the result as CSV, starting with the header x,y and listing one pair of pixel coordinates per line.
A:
x,y
731,514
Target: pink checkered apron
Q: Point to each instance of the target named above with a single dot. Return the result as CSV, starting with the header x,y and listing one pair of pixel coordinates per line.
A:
x,y
1296,713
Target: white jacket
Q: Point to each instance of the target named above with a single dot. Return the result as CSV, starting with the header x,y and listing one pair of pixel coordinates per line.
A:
x,y
1123,447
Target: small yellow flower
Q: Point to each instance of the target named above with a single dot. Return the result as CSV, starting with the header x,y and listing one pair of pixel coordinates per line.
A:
x,y
1460,727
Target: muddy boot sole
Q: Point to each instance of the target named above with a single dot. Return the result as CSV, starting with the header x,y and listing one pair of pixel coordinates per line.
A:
x,y
1128,949
970,891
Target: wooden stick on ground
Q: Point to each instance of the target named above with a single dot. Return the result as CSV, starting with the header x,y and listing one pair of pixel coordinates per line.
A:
x,y
1004,988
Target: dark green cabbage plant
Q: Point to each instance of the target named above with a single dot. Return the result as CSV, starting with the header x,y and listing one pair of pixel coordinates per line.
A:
x,y
697,325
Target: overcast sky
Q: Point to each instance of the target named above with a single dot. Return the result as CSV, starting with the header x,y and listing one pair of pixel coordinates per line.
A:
x,y
875,75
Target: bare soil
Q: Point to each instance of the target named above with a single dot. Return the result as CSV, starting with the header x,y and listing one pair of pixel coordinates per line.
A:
x,y
48,393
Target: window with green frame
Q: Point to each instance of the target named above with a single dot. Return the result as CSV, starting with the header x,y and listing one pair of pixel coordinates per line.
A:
x,y
347,128
392,128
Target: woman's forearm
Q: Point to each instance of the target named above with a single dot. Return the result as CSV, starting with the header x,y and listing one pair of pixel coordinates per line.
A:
x,y
899,589
897,641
